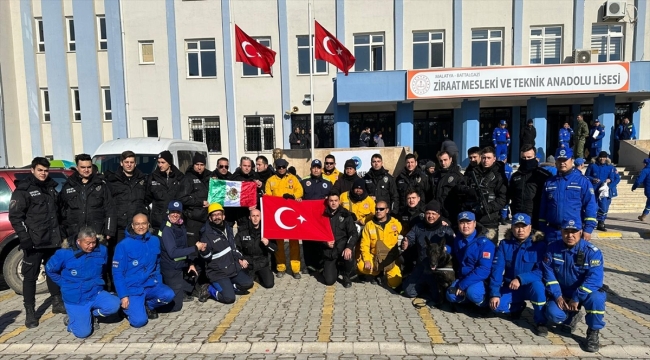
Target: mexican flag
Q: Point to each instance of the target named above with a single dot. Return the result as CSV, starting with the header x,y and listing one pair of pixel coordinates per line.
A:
x,y
232,193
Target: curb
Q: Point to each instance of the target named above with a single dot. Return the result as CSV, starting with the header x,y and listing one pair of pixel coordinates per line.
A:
x,y
352,348
620,235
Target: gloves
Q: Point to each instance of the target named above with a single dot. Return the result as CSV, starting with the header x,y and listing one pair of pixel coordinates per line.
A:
x,y
289,196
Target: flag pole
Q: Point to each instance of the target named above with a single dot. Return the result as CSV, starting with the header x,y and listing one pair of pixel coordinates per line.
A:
x,y
311,80
231,14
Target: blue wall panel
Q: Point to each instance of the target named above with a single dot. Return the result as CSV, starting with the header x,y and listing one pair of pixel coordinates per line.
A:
x,y
537,111
229,79
284,72
638,52
471,128
174,97
116,68
371,86
518,31
458,33
578,23
404,122
604,110
515,126
33,95
398,14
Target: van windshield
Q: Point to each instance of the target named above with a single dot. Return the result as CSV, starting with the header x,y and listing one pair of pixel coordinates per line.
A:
x,y
145,162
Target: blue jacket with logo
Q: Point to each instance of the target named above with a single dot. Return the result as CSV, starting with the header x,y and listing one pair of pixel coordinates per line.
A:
x,y
598,141
625,132
136,264
513,260
79,274
175,254
643,178
565,196
564,276
565,135
474,258
597,173
315,188
500,136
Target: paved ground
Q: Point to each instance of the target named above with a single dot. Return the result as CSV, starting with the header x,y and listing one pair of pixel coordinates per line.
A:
x,y
303,319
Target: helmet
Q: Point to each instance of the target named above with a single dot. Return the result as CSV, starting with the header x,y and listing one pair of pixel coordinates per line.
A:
x,y
214,207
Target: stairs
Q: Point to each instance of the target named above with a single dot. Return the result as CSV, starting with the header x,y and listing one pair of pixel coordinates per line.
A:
x,y
627,201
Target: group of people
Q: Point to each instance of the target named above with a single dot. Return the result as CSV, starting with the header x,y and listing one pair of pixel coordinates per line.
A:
x,y
301,140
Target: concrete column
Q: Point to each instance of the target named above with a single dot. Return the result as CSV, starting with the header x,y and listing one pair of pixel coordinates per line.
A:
x,y
537,111
404,123
636,118
515,130
470,128
604,110
575,111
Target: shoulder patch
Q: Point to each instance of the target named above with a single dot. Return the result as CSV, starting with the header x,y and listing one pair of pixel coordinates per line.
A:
x,y
594,263
486,254
591,191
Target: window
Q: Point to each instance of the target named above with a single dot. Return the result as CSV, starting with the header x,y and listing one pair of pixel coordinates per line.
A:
x,y
546,45
201,58
40,35
324,125
72,46
487,47
5,196
151,126
377,121
45,104
207,130
319,66
76,105
260,133
608,40
106,98
101,33
146,52
428,49
369,52
255,71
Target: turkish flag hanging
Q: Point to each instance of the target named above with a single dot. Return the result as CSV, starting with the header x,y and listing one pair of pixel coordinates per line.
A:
x,y
293,220
250,52
329,48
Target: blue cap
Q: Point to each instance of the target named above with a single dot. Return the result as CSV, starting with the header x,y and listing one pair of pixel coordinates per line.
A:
x,y
503,157
316,162
563,153
521,218
502,122
571,224
646,161
580,161
466,216
175,205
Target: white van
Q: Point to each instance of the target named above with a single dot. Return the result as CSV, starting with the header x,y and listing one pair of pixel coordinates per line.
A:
x,y
146,149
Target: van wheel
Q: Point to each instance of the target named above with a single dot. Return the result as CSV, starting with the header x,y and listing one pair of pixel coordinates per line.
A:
x,y
13,276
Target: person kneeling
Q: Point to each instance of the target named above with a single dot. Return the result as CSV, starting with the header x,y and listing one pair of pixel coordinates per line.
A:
x,y
341,249
516,275
77,268
255,250
222,264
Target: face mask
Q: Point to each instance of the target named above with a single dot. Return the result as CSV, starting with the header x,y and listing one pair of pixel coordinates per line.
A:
x,y
528,164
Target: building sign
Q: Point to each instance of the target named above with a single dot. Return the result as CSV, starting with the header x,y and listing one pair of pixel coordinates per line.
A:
x,y
518,80
361,158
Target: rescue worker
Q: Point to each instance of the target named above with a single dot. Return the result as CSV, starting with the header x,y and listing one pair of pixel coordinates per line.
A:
x,y
526,185
431,230
222,259
288,186
136,272
411,177
378,247
644,179
567,195
528,134
341,249
565,135
501,139
359,203
573,271
381,185
222,172
579,163
315,187
516,276
624,131
604,177
595,140
507,169
195,209
177,257
34,217
581,134
128,186
85,200
244,173
255,251
264,172
444,186
163,185
78,268
329,171
412,212
474,254
345,180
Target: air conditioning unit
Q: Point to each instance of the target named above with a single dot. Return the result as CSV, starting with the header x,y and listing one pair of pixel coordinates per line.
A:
x,y
584,56
614,9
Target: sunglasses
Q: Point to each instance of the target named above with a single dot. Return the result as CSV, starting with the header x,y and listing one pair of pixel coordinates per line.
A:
x,y
329,163
281,167
223,166
380,209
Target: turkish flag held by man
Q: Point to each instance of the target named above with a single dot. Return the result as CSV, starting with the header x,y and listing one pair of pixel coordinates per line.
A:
x,y
329,48
251,52
293,220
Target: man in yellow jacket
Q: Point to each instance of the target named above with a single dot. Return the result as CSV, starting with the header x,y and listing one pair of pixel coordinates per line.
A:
x,y
288,186
329,172
359,203
378,246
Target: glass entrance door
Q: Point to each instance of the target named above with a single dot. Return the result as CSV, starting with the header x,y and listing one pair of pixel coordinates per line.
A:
x,y
555,117
429,130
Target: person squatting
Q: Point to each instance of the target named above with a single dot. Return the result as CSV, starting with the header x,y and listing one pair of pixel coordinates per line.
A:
x,y
444,252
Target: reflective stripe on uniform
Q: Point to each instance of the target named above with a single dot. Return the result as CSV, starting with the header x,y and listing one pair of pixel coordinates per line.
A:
x,y
552,282
180,258
598,312
538,303
221,253
585,289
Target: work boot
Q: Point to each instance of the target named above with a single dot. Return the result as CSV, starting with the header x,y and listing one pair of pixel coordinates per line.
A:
x,y
57,305
641,217
502,221
592,344
188,298
541,330
279,274
346,282
297,276
571,327
152,314
31,321
66,320
204,295
601,226
516,315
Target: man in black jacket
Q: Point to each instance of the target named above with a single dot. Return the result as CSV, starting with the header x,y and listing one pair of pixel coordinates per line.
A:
x,y
381,185
411,177
295,139
256,250
245,172
346,180
34,217
528,134
314,188
195,208
450,147
264,172
341,249
527,185
165,184
128,188
445,182
85,200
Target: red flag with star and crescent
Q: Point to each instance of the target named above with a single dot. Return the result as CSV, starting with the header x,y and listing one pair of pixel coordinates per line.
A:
x,y
251,52
329,48
293,220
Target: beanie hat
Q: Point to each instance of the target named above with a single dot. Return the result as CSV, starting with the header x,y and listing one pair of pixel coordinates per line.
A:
x,y
350,164
359,184
433,205
198,158
429,164
167,156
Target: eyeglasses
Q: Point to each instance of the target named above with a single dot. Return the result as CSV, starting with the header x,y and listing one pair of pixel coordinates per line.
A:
x,y
281,167
380,209
329,163
223,166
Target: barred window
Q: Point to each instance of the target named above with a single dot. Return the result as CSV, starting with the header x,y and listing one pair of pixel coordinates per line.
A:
x,y
207,130
260,133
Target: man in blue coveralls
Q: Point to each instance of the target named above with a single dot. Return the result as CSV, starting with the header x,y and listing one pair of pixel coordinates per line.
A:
x,y
501,139
565,135
601,173
595,139
573,273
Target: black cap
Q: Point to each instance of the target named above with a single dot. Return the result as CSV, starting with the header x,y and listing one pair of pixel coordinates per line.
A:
x,y
430,164
350,164
198,158
167,156
433,205
281,162
359,184
603,154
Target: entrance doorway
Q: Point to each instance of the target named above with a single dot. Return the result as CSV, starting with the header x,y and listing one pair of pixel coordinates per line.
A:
x,y
489,120
555,117
378,121
429,130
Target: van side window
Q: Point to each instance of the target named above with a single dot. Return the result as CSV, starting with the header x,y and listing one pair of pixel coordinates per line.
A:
x,y
5,195
184,159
